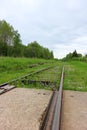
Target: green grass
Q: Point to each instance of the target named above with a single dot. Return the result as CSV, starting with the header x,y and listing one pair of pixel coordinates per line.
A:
x,y
75,72
52,75
11,68
75,76
36,85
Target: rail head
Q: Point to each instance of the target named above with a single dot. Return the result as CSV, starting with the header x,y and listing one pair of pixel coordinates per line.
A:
x,y
53,114
57,114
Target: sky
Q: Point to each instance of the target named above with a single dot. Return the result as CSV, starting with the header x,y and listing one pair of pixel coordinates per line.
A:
x,y
60,25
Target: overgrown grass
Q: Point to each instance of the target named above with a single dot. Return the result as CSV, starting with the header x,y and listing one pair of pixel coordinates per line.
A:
x,y
75,76
36,85
52,75
47,79
75,72
11,68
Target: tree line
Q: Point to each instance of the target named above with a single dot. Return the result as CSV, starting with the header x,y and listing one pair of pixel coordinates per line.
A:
x,y
75,56
11,44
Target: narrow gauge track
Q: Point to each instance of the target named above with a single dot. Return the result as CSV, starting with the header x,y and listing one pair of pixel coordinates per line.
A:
x,y
52,117
5,87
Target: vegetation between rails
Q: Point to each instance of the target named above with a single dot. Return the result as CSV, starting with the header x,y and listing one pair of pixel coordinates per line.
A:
x,y
11,68
75,72
50,76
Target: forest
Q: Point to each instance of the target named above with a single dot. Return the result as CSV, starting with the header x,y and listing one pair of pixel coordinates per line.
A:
x,y
11,44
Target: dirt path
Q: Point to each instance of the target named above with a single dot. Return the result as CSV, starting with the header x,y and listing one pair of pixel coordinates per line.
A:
x,y
74,111
21,109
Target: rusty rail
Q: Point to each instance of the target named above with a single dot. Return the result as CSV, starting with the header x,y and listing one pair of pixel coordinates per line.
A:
x,y
4,88
52,117
57,114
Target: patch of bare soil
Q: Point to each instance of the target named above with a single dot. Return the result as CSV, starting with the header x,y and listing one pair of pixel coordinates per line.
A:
x,y
21,109
74,111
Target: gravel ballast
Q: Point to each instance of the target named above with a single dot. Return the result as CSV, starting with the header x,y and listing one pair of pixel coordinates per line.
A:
x,y
21,108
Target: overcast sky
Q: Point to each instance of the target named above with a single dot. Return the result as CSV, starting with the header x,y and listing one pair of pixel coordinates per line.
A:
x,y
60,25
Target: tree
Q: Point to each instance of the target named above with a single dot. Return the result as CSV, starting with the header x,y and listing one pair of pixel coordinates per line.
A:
x,y
35,50
51,55
17,45
74,54
85,56
6,32
6,36
10,42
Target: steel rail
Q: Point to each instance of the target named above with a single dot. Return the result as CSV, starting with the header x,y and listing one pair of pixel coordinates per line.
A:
x,y
46,124
52,117
57,114
45,117
4,90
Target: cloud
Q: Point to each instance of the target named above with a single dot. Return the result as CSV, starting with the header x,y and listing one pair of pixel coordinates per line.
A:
x,y
80,40
60,51
74,4
59,25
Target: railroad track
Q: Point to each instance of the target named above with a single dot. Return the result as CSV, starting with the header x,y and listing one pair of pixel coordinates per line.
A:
x,y
5,87
52,116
